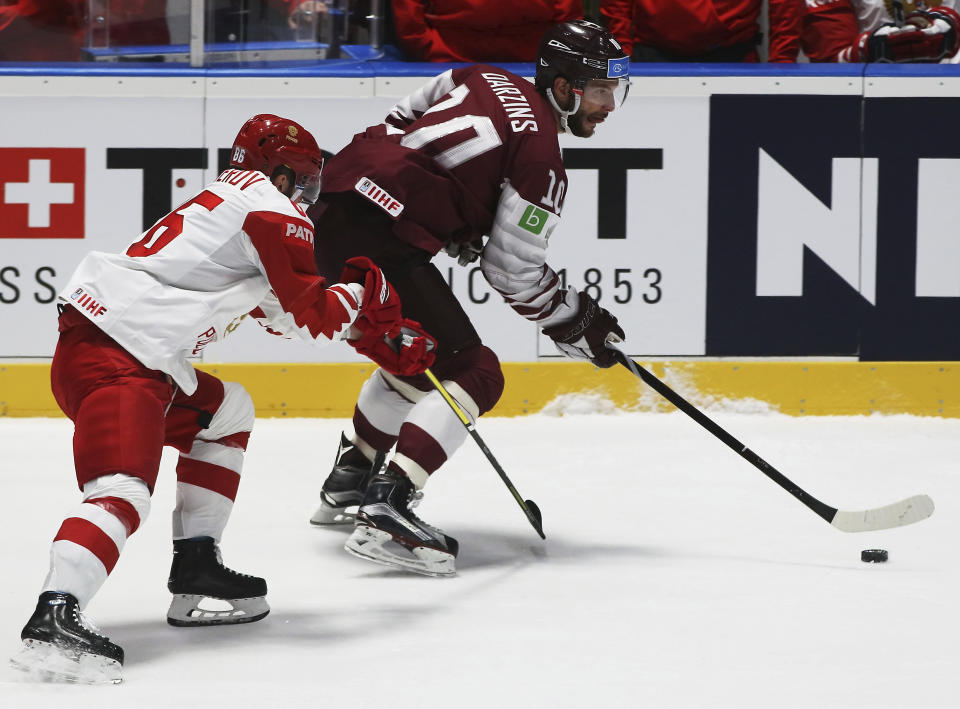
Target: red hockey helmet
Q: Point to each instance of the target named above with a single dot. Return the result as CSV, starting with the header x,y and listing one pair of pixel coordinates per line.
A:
x,y
266,142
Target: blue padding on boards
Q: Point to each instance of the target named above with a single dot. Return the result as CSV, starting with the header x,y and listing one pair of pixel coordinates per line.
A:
x,y
366,63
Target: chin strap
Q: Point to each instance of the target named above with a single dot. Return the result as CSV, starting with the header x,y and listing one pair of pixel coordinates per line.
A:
x,y
564,114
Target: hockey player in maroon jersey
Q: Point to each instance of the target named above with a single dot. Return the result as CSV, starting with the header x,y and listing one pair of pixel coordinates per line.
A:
x,y
128,324
470,164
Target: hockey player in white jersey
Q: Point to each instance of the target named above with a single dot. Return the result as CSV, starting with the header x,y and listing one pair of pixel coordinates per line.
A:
x,y
128,324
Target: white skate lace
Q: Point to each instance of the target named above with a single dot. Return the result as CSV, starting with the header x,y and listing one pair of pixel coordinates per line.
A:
x,y
415,499
216,549
87,623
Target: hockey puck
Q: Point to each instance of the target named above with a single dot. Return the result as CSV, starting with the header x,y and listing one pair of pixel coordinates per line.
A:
x,y
873,555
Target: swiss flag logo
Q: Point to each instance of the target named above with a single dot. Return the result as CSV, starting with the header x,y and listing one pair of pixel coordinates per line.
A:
x,y
41,193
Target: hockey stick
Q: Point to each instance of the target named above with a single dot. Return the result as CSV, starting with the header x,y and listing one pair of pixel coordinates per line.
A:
x,y
913,509
529,507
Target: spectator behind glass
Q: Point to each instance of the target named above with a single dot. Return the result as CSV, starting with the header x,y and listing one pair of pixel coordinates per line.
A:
x,y
868,31
41,30
258,20
703,30
55,30
477,30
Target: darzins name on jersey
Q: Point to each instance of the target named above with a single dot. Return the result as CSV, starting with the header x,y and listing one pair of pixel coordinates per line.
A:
x,y
514,102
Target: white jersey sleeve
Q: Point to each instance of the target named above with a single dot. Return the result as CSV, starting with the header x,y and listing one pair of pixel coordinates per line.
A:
x,y
193,273
514,261
271,315
419,102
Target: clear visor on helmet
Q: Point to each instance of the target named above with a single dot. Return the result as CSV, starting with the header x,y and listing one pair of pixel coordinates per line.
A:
x,y
609,93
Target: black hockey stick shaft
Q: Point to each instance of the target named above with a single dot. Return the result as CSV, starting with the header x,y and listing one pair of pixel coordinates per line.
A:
x,y
529,508
823,510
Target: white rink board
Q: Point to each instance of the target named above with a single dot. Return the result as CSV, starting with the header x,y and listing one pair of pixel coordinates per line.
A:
x,y
655,280
664,239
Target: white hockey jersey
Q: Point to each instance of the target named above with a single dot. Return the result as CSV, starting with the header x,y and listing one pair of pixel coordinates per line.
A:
x,y
237,245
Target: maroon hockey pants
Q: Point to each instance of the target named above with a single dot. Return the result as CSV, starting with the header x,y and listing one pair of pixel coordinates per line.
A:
x,y
348,226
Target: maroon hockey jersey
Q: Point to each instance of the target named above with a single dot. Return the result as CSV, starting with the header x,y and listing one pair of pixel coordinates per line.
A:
x,y
439,162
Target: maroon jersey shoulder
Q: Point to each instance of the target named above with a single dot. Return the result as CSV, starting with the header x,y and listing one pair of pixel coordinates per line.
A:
x,y
524,121
489,128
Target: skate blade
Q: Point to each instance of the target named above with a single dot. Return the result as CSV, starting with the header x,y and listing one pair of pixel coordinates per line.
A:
x,y
327,515
370,544
188,610
45,662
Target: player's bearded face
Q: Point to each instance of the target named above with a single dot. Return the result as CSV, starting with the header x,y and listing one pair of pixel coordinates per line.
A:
x,y
584,122
596,103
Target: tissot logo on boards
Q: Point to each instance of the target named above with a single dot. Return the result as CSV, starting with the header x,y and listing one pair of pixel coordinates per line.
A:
x,y
42,193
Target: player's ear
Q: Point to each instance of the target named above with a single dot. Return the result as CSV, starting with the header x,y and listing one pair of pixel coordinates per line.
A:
x,y
281,180
561,91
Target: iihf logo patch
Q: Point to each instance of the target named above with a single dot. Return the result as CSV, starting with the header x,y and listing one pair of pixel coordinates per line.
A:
x,y
86,302
379,196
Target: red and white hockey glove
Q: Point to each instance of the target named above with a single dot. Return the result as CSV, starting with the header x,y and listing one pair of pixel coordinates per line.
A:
x,y
585,337
927,36
380,309
406,350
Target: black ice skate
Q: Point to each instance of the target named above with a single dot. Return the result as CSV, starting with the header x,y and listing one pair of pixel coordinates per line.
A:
x,y
388,533
345,485
60,645
205,592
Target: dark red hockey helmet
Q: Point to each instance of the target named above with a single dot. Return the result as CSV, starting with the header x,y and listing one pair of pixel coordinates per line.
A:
x,y
266,142
579,51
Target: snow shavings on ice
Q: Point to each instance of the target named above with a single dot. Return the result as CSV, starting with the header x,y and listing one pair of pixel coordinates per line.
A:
x,y
599,402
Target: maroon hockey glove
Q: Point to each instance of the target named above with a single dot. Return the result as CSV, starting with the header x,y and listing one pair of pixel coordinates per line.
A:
x,y
585,337
406,350
466,252
380,309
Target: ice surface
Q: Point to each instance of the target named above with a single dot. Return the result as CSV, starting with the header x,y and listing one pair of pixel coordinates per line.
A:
x,y
674,574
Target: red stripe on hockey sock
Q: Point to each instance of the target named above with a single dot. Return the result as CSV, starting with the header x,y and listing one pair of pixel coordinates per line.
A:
x,y
209,476
235,440
90,537
121,509
420,447
373,437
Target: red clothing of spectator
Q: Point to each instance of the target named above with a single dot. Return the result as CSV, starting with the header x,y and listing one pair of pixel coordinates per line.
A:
x,y
845,30
138,22
41,30
693,28
55,30
829,27
477,30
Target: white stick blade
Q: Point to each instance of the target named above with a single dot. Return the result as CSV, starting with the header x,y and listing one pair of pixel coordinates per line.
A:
x,y
913,509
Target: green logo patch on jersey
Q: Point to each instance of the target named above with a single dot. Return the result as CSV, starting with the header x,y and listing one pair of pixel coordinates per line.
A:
x,y
533,219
